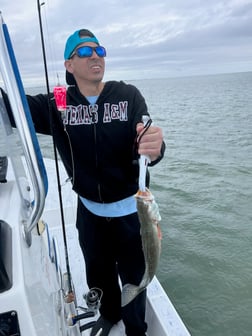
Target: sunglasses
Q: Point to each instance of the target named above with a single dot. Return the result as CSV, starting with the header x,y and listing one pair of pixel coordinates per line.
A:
x,y
87,51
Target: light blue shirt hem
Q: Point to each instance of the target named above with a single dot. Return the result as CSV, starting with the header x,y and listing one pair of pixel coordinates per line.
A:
x,y
121,208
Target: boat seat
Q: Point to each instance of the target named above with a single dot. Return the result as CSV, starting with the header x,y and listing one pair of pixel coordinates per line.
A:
x,y
3,168
5,256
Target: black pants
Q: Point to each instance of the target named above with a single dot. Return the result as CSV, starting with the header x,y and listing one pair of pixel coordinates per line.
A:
x,y
112,247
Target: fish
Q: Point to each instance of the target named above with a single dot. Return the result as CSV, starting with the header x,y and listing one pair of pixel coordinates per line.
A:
x,y
149,217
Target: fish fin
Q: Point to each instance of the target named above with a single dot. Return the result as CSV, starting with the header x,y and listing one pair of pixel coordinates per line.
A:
x,y
159,232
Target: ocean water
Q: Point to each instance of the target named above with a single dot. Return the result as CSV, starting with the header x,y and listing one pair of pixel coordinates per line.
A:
x,y
204,190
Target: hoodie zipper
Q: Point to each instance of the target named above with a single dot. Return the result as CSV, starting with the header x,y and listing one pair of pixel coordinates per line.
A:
x,y
71,152
96,162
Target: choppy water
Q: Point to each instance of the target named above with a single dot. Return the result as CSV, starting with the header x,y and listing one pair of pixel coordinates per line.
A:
x,y
204,189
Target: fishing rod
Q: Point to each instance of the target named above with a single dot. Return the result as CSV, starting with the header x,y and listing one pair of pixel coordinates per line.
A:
x,y
39,5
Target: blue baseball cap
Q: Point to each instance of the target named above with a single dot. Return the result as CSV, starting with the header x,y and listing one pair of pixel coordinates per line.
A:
x,y
77,38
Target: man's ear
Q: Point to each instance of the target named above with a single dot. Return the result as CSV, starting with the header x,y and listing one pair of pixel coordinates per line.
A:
x,y
68,66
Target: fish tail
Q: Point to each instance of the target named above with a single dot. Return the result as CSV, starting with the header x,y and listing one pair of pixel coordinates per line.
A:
x,y
129,293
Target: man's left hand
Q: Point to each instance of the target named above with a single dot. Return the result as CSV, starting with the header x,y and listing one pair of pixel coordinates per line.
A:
x,y
151,142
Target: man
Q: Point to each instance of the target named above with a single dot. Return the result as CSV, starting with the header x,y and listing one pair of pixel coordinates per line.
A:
x,y
96,139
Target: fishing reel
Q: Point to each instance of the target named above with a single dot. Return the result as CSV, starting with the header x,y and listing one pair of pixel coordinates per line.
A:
x,y
93,302
93,299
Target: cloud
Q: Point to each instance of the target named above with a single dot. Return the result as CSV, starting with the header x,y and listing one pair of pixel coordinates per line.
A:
x,y
144,39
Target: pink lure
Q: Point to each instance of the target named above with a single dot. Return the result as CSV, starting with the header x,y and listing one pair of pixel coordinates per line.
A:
x,y
60,97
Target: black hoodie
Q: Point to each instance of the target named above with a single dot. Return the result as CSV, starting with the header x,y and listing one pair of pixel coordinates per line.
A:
x,y
97,143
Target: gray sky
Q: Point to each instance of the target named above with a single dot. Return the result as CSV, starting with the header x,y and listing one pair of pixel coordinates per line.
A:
x,y
143,38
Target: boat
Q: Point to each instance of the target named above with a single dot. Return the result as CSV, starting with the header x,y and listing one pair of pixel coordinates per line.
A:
x,y
42,275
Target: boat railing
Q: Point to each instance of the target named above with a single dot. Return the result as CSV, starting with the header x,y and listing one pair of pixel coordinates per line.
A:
x,y
26,131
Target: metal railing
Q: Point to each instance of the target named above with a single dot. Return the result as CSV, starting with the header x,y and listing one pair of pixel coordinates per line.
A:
x,y
29,142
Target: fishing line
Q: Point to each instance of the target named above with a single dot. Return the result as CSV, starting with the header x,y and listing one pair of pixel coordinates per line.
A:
x,y
50,44
138,137
146,127
50,97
